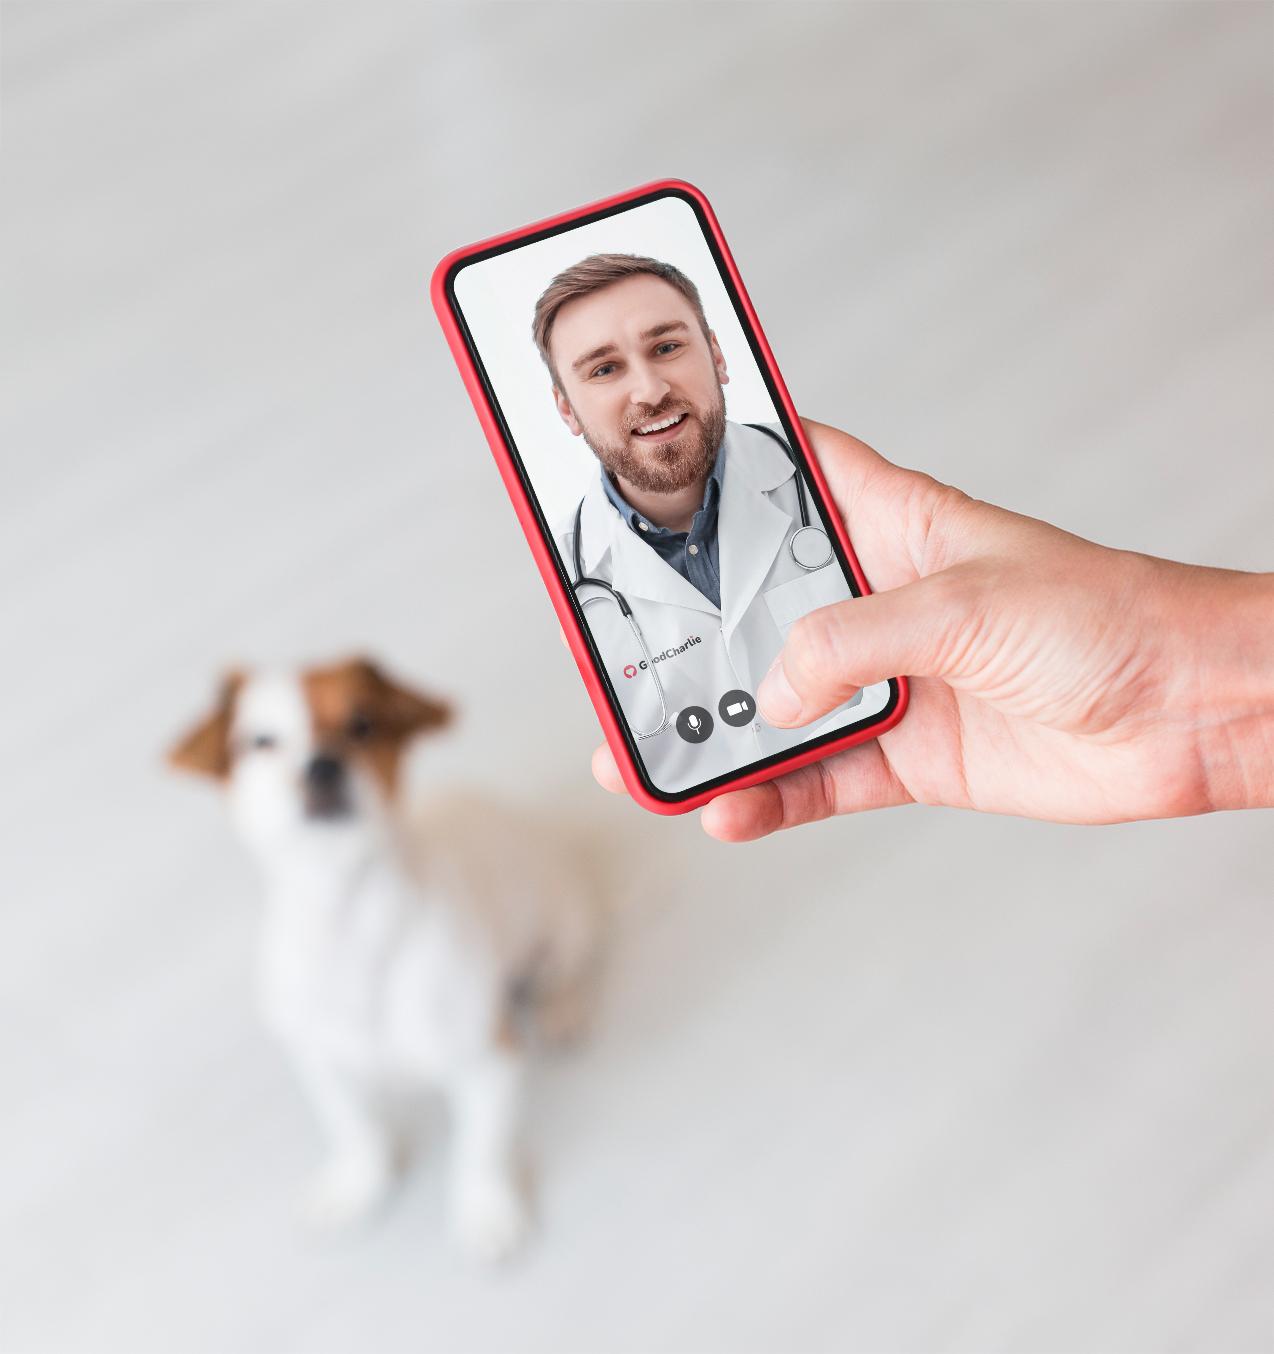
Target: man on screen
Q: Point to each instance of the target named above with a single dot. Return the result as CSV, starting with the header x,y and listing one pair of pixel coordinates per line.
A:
x,y
690,518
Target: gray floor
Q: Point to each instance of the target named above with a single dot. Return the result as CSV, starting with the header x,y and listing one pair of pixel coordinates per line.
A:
x,y
911,1082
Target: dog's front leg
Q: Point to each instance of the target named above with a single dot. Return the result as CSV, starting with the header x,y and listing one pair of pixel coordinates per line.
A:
x,y
359,1170
489,1206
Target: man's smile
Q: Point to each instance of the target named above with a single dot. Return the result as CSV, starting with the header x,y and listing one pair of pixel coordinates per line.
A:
x,y
661,430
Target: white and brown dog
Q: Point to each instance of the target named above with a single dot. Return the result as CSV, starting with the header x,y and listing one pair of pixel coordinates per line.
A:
x,y
399,950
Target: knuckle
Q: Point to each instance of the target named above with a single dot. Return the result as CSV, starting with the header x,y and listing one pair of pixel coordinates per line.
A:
x,y
959,604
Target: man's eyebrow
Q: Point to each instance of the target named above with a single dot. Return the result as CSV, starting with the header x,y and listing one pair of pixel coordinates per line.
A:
x,y
666,328
593,356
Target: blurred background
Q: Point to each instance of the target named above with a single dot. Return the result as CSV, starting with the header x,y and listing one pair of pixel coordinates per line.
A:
x,y
914,1081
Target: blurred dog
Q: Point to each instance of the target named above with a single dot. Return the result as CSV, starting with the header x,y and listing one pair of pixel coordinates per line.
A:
x,y
398,951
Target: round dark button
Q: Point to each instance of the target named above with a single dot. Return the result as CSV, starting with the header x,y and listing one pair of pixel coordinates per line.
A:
x,y
737,708
694,724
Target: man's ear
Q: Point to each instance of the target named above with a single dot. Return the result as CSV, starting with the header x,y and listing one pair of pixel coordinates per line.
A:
x,y
396,708
567,413
718,358
206,748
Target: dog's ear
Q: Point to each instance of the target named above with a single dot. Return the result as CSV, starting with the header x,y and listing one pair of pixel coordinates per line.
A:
x,y
205,749
397,709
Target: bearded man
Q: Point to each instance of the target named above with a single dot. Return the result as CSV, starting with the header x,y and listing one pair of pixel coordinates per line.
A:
x,y
690,519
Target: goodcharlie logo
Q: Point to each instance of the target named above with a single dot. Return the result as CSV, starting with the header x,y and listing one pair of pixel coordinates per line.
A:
x,y
691,640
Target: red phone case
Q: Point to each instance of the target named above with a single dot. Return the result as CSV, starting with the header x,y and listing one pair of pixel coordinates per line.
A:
x,y
543,550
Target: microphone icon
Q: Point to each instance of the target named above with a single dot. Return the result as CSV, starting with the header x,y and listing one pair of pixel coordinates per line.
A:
x,y
694,724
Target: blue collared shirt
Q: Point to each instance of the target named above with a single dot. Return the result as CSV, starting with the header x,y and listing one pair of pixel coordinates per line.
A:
x,y
692,553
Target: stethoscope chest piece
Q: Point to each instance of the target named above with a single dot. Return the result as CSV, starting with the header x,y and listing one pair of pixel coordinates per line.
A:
x,y
810,547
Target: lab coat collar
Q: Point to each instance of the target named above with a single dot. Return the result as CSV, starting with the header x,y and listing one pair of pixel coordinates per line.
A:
x,y
599,522
757,456
752,529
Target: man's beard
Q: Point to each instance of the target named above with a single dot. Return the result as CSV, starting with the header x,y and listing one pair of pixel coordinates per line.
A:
x,y
666,467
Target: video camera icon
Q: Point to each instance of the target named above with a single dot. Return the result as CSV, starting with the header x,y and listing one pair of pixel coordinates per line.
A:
x,y
737,708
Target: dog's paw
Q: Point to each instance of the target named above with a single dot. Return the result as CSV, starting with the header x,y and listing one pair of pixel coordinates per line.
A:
x,y
347,1190
491,1219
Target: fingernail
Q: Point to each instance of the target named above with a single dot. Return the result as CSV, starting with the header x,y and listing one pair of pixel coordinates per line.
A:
x,y
775,697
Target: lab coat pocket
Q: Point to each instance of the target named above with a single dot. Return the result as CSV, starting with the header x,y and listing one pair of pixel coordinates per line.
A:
x,y
799,596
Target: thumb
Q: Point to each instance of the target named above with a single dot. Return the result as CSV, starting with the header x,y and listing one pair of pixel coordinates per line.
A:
x,y
832,652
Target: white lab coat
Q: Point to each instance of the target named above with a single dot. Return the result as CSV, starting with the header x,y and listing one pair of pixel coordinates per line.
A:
x,y
709,651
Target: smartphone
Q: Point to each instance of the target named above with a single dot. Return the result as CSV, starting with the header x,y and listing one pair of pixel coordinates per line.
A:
x,y
666,487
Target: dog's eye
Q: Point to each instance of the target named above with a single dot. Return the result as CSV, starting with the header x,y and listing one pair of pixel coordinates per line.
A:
x,y
359,727
262,741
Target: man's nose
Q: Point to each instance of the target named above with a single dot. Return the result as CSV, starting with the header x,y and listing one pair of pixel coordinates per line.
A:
x,y
648,387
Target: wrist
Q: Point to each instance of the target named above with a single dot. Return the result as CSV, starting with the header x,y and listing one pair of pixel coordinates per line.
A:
x,y
1225,690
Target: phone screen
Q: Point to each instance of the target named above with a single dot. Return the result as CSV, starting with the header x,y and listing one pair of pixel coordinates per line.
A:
x,y
633,396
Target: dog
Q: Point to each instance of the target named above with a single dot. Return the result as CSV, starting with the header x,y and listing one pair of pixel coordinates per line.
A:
x,y
400,950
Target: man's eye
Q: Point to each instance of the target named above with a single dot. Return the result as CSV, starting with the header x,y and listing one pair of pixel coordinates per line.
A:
x,y
670,347
604,370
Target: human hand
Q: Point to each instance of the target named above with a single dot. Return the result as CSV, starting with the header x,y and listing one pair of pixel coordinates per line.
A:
x,y
1051,677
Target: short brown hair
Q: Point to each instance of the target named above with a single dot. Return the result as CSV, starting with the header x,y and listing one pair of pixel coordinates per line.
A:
x,y
594,273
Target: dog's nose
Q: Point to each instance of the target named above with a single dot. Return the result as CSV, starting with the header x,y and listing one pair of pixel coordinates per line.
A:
x,y
324,772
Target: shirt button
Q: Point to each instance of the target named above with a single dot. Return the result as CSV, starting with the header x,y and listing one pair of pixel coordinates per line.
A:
x,y
642,526
694,549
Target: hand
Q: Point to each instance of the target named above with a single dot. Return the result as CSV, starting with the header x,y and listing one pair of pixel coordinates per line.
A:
x,y
1052,677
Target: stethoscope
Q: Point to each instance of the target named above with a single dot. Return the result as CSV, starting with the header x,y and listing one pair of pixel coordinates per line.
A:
x,y
808,545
